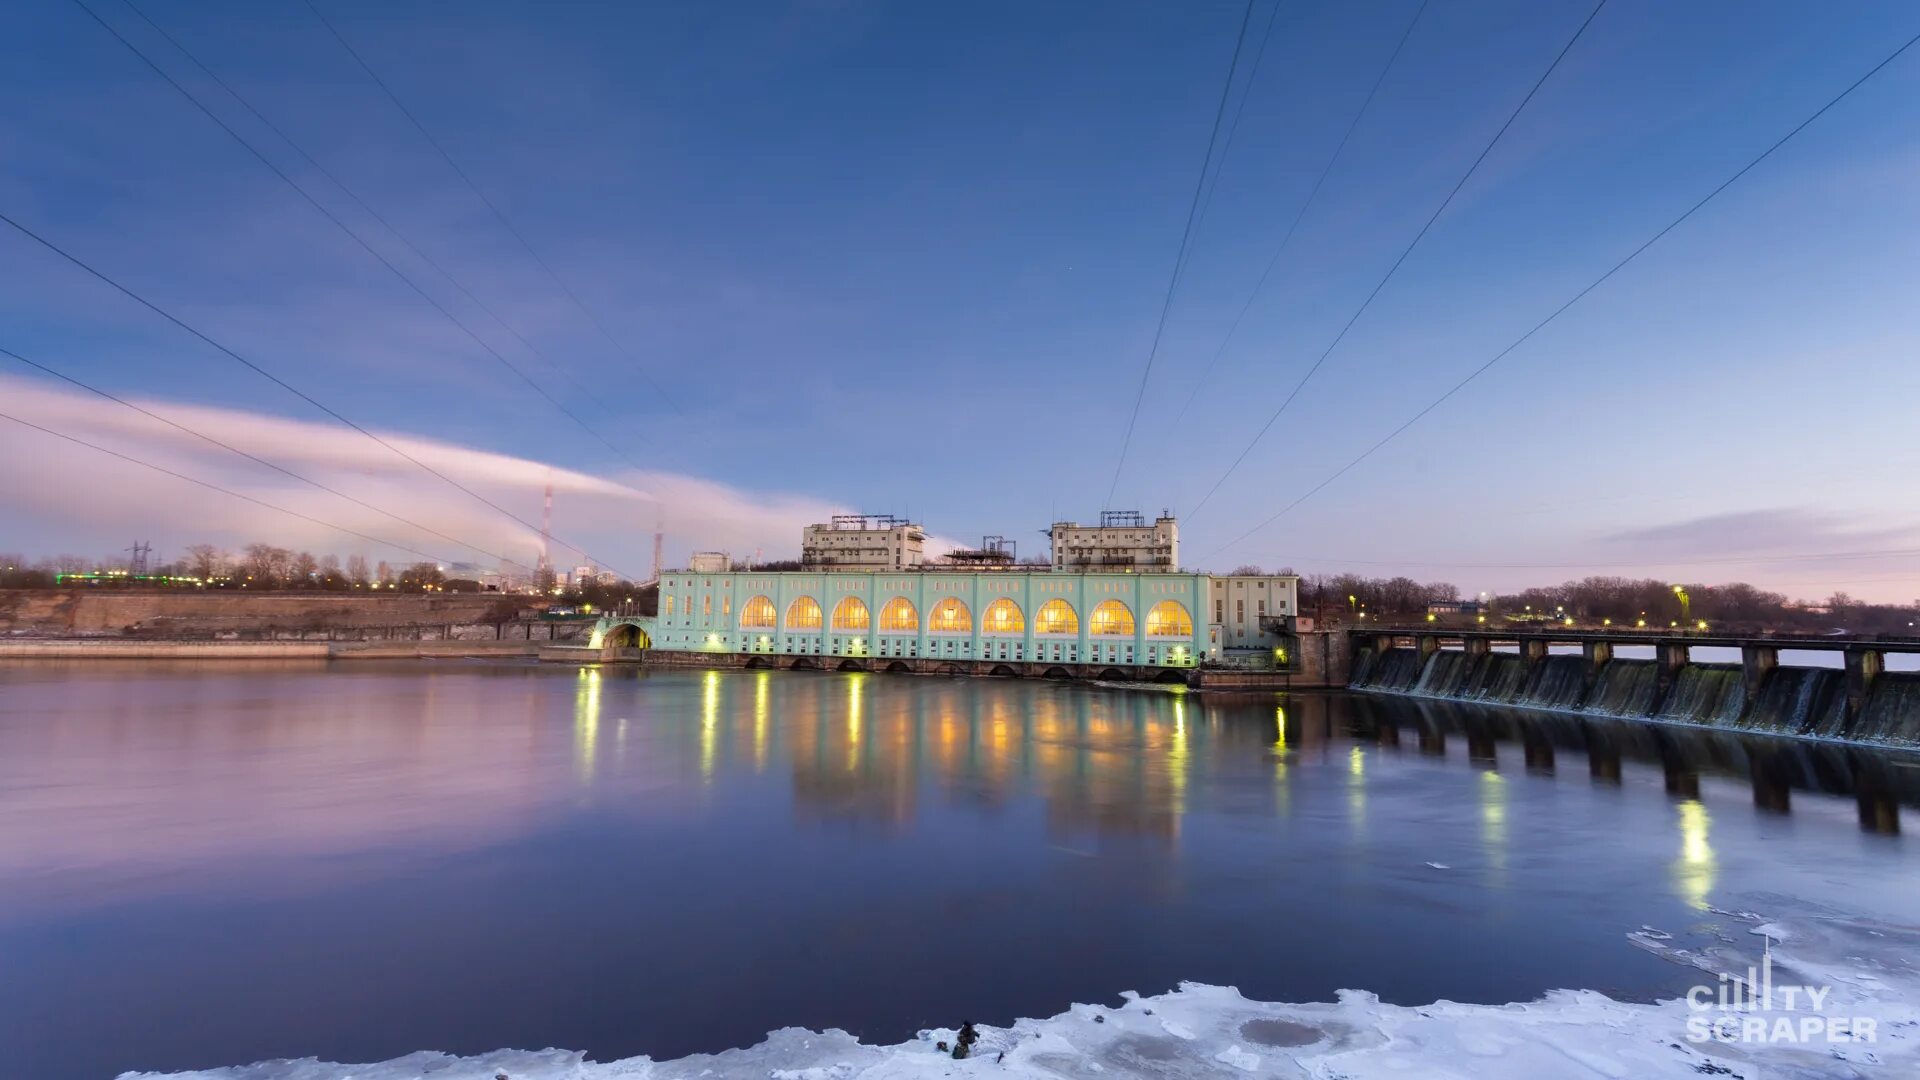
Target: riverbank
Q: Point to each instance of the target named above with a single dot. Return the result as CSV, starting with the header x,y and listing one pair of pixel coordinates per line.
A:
x,y
114,649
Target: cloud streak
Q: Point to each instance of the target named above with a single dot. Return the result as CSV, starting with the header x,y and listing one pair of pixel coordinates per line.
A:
x,y
65,495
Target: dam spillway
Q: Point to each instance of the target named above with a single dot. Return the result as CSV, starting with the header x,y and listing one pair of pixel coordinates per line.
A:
x,y
1858,702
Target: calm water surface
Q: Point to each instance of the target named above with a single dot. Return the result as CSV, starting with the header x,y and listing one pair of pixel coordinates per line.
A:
x,y
214,864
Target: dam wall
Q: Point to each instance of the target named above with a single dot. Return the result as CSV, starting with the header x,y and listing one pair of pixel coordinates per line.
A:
x,y
1859,702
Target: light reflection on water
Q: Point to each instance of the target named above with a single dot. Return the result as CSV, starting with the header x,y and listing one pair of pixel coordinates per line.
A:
x,y
468,855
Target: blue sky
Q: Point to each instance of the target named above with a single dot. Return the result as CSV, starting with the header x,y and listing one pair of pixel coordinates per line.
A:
x,y
909,259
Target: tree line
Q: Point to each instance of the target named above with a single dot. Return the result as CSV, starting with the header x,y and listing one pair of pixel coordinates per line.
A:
x,y
1625,602
258,567
1333,597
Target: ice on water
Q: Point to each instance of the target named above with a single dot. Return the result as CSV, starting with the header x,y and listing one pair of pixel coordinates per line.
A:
x,y
1212,1031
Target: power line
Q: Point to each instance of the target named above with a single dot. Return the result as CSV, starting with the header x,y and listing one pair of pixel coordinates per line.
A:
x,y
340,224
1395,268
277,380
1294,225
498,214
372,213
224,491
1233,127
1180,258
1582,294
203,436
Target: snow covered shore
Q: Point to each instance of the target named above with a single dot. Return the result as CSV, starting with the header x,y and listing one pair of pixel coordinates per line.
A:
x,y
1866,1023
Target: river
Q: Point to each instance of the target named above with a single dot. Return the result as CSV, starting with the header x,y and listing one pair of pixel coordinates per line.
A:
x,y
206,864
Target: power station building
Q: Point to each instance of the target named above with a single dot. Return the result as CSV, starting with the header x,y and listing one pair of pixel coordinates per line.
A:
x,y
1140,613
1122,541
863,542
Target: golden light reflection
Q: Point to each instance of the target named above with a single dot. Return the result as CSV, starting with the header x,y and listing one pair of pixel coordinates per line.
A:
x,y
1693,871
1357,789
1179,761
761,688
856,687
1493,820
586,724
709,722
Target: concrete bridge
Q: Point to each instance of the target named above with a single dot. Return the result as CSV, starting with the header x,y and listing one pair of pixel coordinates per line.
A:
x,y
1863,657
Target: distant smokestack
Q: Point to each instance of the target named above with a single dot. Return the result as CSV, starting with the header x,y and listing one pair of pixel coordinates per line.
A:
x,y
546,528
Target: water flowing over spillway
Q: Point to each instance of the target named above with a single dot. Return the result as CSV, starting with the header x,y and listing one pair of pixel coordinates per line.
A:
x,y
1892,712
1790,700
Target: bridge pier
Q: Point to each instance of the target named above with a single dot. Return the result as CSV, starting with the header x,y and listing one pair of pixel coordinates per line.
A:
x,y
1533,650
1427,645
1863,667
1671,656
1478,646
1756,661
1599,654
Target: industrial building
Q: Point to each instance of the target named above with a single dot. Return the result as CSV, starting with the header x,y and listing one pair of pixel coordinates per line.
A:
x,y
1034,616
977,606
1122,541
863,542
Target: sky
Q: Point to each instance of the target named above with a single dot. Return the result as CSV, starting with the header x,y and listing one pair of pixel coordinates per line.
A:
x,y
789,259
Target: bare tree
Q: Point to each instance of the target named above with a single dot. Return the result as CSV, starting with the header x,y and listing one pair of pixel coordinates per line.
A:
x,y
357,569
421,576
206,562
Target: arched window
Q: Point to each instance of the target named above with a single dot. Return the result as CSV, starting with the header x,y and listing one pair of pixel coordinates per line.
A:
x,y
1111,617
803,614
757,615
669,610
1169,618
1003,617
899,614
850,614
950,616
1056,617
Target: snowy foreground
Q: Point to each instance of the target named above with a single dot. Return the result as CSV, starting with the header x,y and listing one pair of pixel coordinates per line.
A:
x,y
1866,1023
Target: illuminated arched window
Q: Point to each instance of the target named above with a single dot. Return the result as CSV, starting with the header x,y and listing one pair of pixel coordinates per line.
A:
x,y
1003,617
951,616
803,614
899,614
1111,617
758,614
850,614
1056,617
669,610
1169,618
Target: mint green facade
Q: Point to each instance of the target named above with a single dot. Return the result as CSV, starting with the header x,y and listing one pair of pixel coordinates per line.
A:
x,y
709,613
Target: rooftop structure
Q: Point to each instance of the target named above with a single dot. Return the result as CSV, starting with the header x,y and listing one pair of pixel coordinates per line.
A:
x,y
994,553
863,542
709,562
1123,541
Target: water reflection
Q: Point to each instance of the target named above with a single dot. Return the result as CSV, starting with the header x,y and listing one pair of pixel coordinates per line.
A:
x,y
1693,870
762,686
709,722
586,723
1773,768
1493,826
170,824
